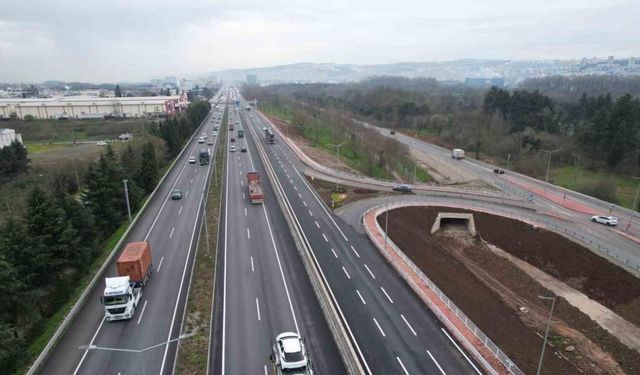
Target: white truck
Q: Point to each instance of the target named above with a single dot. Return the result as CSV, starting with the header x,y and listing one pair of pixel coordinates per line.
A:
x,y
457,153
290,355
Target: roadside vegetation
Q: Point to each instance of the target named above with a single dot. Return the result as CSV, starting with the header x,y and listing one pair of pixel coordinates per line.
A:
x,y
59,225
193,352
594,122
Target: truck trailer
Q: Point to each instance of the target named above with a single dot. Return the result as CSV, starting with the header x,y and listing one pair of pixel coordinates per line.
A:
x,y
255,189
204,156
123,293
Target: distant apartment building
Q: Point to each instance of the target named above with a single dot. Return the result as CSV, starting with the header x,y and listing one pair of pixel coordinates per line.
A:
x,y
7,136
484,82
92,107
252,80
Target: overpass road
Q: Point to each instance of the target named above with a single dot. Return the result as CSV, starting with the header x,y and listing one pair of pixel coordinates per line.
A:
x,y
262,286
391,329
171,227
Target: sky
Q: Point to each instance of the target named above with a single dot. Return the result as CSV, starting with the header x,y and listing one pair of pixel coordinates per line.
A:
x,y
136,40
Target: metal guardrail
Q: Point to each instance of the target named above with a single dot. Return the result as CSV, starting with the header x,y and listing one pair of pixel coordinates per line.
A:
x,y
490,345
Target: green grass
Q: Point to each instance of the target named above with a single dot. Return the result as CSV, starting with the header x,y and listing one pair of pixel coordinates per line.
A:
x,y
574,178
80,130
37,148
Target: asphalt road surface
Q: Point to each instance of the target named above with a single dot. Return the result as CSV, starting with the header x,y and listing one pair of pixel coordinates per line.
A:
x,y
171,227
392,330
262,285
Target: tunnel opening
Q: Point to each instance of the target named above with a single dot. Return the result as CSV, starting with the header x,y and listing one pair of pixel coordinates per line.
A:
x,y
454,221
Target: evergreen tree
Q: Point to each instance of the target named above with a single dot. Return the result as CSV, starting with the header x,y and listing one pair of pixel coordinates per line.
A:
x,y
148,174
118,92
11,347
83,222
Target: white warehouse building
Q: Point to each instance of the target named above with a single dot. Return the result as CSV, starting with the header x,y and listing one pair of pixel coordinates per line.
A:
x,y
92,107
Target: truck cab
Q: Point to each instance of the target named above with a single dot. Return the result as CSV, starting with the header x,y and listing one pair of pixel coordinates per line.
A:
x,y
120,298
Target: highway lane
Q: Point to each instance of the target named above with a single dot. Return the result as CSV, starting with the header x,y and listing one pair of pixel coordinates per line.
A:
x,y
393,330
169,226
261,279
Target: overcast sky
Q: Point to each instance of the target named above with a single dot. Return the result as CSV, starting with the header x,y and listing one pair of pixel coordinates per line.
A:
x,y
113,40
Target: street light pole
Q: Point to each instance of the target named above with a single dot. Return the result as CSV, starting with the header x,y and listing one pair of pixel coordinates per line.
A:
x,y
546,333
386,226
337,155
126,193
546,179
635,203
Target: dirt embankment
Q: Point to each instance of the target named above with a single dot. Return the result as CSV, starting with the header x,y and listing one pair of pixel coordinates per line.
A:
x,y
491,290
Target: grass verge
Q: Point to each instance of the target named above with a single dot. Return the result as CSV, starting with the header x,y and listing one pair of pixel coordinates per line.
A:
x,y
193,353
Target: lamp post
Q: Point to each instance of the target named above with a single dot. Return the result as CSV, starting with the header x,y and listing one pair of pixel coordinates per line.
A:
x,y
137,351
635,202
126,193
546,333
337,154
546,179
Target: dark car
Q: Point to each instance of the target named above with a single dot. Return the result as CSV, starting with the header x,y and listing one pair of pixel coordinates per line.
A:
x,y
403,189
498,171
176,194
233,139
243,149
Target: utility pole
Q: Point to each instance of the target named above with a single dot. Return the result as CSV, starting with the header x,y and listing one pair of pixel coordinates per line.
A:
x,y
126,193
415,167
337,155
546,179
546,333
635,202
508,161
386,225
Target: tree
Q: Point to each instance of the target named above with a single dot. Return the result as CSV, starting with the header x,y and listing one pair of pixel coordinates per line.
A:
x,y
13,159
147,176
11,347
118,92
81,219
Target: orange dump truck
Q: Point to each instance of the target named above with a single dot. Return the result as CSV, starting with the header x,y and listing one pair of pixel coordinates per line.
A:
x,y
255,189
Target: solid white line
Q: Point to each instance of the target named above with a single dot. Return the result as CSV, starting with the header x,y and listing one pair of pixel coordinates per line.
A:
x,y
408,325
346,273
461,352
354,250
180,211
248,234
160,265
436,362
258,309
360,295
380,328
245,211
142,312
317,225
334,253
385,293
252,269
310,213
224,282
90,343
402,365
325,237
171,234
370,273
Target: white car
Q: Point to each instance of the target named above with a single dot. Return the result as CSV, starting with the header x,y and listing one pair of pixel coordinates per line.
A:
x,y
192,160
607,220
215,134
200,140
232,148
101,143
291,351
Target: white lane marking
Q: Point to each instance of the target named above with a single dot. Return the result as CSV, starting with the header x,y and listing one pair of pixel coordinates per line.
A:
x,y
402,365
248,234
295,188
334,253
291,181
380,328
171,234
186,194
305,203
142,312
191,182
360,295
258,309
317,225
436,362
370,273
299,195
385,293
243,195
240,173
241,182
461,352
408,325
245,211
195,171
346,273
91,343
310,213
265,370
180,211
354,250
252,269
325,238
160,265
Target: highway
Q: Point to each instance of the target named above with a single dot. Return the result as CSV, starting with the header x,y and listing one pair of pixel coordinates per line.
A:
x,y
392,330
171,227
262,288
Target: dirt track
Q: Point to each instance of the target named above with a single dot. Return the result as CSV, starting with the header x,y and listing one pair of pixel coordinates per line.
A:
x,y
490,289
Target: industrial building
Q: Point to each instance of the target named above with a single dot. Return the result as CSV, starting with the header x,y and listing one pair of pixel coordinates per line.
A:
x,y
92,107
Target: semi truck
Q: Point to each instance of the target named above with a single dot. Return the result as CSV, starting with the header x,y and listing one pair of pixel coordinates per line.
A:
x,y
457,153
240,133
255,189
204,156
123,293
270,136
